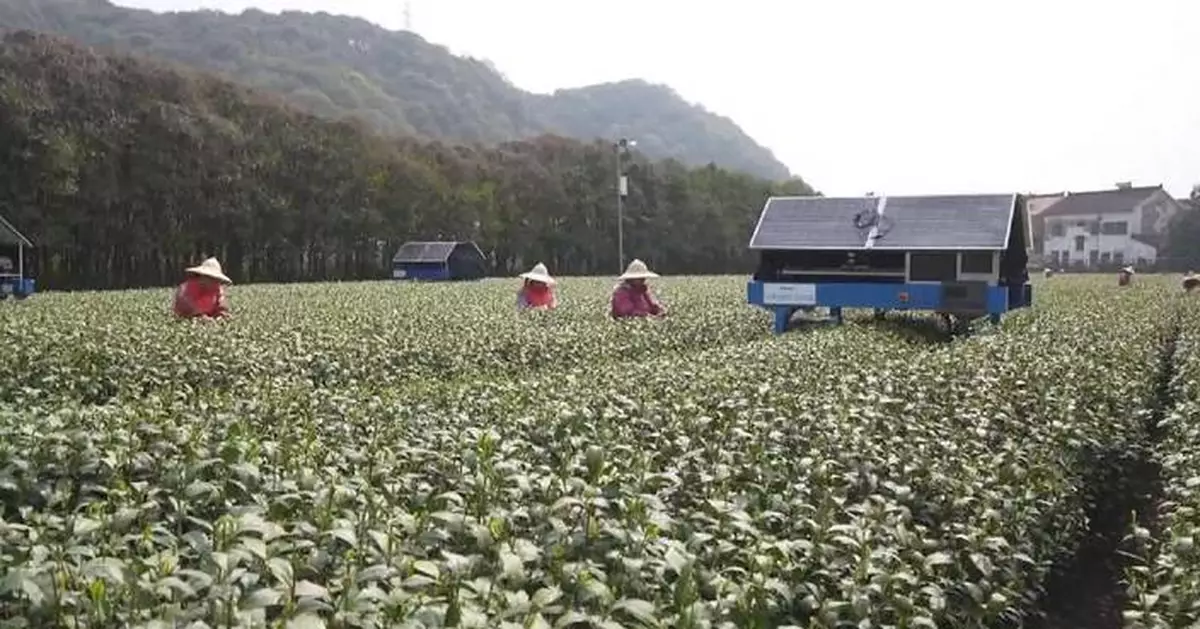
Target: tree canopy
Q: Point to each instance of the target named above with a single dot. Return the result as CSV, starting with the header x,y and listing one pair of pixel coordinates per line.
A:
x,y
1182,250
124,170
397,82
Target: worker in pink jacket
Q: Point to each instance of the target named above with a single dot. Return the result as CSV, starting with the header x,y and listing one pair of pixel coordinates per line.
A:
x,y
632,296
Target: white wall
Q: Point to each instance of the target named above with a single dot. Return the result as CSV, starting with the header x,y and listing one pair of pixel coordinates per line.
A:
x,y
1131,251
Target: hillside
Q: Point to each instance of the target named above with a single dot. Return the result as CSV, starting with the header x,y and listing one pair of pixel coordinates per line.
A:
x,y
123,170
397,82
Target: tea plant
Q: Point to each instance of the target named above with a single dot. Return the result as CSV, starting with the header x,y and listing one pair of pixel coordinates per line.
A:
x,y
377,455
1164,583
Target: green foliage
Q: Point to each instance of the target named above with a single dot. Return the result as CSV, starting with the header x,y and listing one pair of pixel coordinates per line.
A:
x,y
124,172
396,81
1181,251
420,455
1164,585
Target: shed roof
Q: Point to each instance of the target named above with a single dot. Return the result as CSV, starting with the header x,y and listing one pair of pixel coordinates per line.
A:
x,y
431,252
10,236
424,252
906,222
1100,201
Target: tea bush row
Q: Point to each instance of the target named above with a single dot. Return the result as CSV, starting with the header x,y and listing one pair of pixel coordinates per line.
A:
x,y
646,475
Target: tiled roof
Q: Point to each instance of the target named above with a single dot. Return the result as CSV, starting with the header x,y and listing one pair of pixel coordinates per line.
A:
x,y
1100,201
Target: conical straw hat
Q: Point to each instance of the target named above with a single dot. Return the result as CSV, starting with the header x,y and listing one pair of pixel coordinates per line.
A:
x,y
1128,270
637,270
209,268
539,273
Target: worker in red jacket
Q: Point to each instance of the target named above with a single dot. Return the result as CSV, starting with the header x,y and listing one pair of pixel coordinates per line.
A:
x,y
632,296
537,293
202,294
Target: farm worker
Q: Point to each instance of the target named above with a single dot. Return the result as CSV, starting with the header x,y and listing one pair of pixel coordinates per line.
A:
x,y
1047,272
1125,276
202,294
537,292
1190,281
631,297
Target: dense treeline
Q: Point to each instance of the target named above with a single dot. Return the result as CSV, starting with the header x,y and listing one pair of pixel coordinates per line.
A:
x,y
398,83
1182,250
124,170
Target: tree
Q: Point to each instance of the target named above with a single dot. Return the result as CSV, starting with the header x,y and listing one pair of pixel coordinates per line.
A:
x,y
124,171
1182,251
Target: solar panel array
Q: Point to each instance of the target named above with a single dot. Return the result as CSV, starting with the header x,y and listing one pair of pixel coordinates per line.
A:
x,y
948,222
812,223
908,223
424,252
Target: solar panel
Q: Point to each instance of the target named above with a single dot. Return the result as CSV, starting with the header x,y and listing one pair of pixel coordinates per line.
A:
x,y
912,222
424,252
948,222
811,223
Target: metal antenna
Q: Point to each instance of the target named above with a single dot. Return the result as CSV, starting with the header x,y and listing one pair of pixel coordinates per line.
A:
x,y
408,15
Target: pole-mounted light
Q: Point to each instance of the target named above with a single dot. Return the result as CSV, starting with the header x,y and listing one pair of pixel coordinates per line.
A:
x,y
621,147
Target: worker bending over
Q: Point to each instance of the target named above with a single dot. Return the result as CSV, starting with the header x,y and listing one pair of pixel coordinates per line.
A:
x,y
202,294
1125,276
537,293
632,296
1190,282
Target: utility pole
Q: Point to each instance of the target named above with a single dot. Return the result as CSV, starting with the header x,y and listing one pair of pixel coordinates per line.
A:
x,y
621,147
408,15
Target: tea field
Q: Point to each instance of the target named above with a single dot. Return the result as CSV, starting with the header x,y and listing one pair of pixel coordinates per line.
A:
x,y
386,455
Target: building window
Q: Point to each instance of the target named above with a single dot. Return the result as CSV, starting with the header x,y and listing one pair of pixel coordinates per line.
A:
x,y
977,263
1057,229
1105,257
1079,242
1116,228
1093,257
1094,228
1118,257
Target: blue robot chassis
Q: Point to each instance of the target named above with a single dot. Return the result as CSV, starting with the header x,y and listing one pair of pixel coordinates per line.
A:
x,y
962,256
950,299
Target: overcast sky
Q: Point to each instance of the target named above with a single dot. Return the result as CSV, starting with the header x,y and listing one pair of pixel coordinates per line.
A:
x,y
919,96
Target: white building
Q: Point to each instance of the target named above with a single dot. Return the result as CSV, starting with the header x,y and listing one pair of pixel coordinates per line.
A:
x,y
1107,228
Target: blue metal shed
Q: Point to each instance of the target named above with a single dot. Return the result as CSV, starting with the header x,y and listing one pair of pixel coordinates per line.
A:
x,y
439,261
12,262
962,256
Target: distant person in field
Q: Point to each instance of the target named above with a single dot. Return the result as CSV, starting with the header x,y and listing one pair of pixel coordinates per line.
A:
x,y
1190,282
1125,276
537,293
632,296
202,294
1048,272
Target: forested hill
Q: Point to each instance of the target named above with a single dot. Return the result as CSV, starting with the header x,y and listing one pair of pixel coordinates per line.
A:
x,y
123,171
396,81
